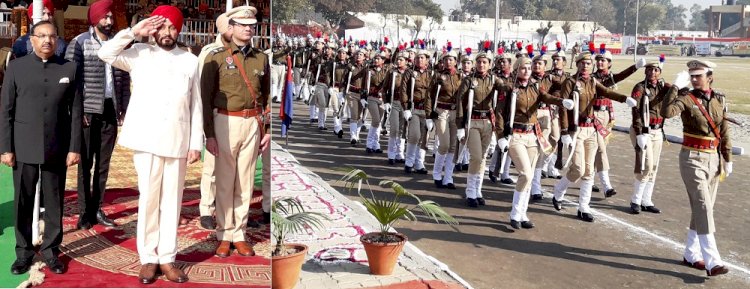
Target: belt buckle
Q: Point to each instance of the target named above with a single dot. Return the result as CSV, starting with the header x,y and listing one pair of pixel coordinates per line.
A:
x,y
245,113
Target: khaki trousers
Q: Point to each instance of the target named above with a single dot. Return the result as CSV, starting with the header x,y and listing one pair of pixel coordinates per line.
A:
x,y
417,133
544,118
396,121
554,135
375,107
208,185
601,162
524,151
653,154
277,78
238,140
445,131
582,164
480,135
700,173
160,184
355,107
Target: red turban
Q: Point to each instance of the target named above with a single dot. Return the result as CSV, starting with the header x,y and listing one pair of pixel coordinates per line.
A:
x,y
98,10
170,12
47,4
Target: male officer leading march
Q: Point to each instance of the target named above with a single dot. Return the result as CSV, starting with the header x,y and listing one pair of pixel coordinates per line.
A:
x,y
40,131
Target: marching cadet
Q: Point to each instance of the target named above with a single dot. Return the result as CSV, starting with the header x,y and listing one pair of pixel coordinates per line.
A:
x,y
394,107
321,94
646,134
444,117
301,55
356,77
374,97
415,91
477,119
505,73
317,57
705,159
467,68
604,112
558,74
579,132
522,137
336,92
278,68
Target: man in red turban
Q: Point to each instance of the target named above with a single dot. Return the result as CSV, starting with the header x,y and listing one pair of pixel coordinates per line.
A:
x,y
166,37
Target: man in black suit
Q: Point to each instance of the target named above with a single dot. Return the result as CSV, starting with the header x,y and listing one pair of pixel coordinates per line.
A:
x,y
40,131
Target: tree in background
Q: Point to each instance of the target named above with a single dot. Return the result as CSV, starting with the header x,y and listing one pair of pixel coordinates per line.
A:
x,y
543,30
566,28
698,21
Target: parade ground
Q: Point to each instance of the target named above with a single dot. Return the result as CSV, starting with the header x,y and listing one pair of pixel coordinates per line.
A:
x,y
618,250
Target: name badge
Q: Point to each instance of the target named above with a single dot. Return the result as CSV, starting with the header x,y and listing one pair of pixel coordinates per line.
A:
x,y
230,63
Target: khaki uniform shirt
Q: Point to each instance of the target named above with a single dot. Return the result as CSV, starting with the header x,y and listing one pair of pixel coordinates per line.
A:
x,y
339,74
656,93
589,90
484,88
389,85
609,79
422,88
693,121
528,99
449,84
359,77
223,87
378,77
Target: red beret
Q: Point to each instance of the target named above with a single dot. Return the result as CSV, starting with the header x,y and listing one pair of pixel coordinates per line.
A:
x,y
98,10
170,12
47,4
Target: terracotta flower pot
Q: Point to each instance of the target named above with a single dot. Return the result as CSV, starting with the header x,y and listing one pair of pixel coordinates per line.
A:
x,y
285,269
382,256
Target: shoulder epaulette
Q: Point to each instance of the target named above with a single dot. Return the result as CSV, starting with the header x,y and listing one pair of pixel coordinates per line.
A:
x,y
218,50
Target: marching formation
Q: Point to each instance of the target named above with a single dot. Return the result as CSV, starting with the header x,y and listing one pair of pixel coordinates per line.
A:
x,y
470,107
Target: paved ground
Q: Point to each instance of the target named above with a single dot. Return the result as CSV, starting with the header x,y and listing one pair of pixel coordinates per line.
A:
x,y
335,257
618,250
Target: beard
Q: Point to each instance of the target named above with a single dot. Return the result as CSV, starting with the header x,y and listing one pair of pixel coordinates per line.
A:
x,y
166,42
106,29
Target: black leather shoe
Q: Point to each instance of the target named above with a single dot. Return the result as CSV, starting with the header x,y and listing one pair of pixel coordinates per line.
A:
x,y
717,270
439,184
377,151
508,181
102,219
650,209
458,168
408,169
21,266
313,120
384,132
515,224
586,216
471,202
450,186
391,162
322,128
544,175
610,193
527,225
594,188
465,167
55,266
368,150
421,171
481,201
537,197
340,134
85,225
353,142
635,209
557,204
208,223
401,161
493,178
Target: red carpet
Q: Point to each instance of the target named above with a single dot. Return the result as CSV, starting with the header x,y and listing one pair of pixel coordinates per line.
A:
x,y
104,257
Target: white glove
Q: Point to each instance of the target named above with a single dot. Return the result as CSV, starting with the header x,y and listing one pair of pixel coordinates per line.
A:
x,y
460,134
341,97
631,102
566,139
568,104
642,140
407,115
641,63
430,124
363,102
728,168
387,107
332,91
682,80
502,144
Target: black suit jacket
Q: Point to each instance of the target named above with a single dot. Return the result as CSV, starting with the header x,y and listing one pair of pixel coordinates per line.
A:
x,y
41,115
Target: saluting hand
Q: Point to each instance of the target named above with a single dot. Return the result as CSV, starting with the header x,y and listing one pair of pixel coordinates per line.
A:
x,y
148,26
73,159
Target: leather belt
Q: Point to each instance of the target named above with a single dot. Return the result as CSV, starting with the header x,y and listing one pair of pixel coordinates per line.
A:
x,y
699,143
601,107
279,63
353,89
480,114
419,106
523,128
245,113
448,106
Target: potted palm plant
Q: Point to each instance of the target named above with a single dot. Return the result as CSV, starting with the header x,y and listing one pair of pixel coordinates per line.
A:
x,y
384,247
288,216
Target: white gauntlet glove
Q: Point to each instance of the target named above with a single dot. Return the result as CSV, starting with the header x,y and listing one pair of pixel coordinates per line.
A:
x,y
407,115
728,168
430,124
641,63
631,102
642,140
502,144
387,107
682,80
567,140
460,134
568,104
363,102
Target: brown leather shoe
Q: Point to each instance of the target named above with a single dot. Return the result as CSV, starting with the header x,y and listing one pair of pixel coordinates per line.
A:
x,y
173,273
717,270
700,265
147,275
224,249
243,248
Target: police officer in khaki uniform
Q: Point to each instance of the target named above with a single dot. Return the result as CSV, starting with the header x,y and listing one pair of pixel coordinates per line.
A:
x,y
558,74
647,135
605,114
377,75
705,158
523,136
467,69
321,94
393,105
336,90
444,117
478,124
415,97
355,84
586,137
278,68
505,73
317,56
235,92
